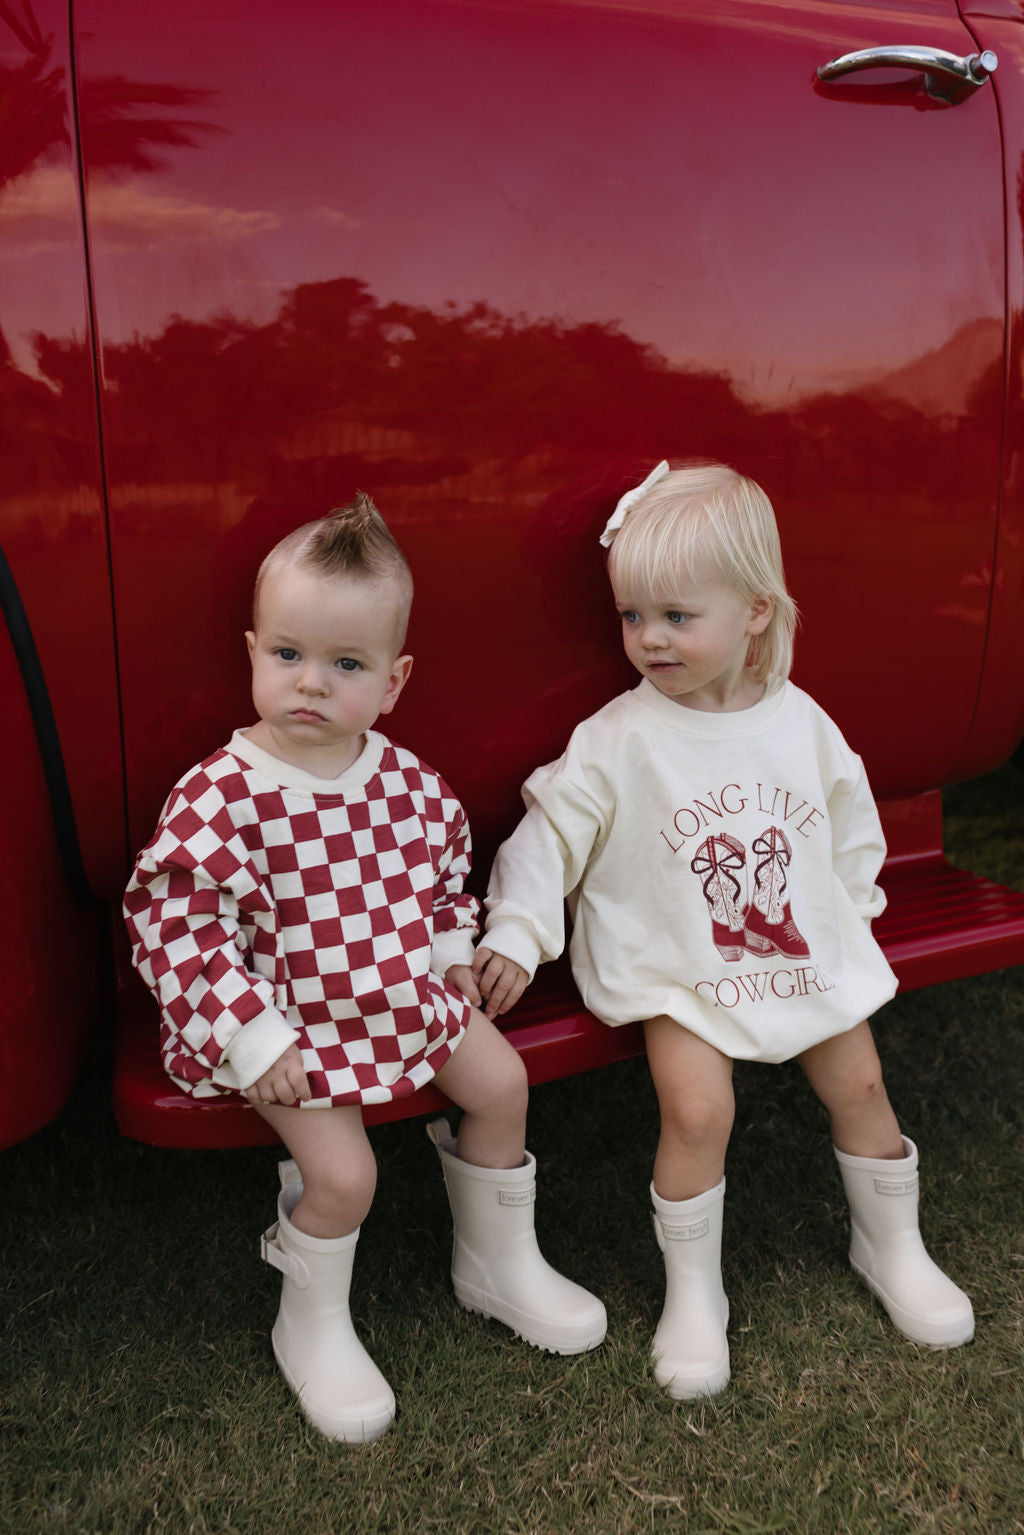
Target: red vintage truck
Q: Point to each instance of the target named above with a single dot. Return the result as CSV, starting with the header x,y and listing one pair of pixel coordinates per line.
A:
x,y
489,260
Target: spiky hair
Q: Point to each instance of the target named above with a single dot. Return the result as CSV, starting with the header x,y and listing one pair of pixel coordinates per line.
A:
x,y
352,540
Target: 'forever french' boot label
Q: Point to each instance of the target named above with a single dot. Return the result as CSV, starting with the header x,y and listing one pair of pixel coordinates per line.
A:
x,y
896,1186
685,1233
517,1196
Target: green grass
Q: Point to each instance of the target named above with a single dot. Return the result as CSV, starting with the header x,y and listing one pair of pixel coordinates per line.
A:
x,y
138,1391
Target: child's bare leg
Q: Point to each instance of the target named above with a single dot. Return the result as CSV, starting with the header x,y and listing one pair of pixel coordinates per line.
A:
x,y
694,1086
846,1075
497,1267
336,1162
487,1079
693,1082
879,1172
313,1244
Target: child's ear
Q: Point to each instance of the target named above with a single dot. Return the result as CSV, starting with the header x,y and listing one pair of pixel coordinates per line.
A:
x,y
396,682
250,640
761,610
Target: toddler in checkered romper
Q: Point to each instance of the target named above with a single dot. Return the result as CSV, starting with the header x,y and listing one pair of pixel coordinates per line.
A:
x,y
299,913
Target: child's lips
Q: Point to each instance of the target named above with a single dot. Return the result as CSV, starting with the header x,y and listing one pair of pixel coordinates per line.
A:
x,y
306,714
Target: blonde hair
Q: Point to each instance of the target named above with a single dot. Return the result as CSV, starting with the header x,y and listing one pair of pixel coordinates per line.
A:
x,y
708,517
352,540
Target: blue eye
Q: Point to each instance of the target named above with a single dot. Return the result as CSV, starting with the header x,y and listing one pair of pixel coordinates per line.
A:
x,y
675,617
628,616
286,653
347,664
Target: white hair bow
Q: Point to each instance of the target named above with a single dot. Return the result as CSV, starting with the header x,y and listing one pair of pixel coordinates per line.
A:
x,y
626,503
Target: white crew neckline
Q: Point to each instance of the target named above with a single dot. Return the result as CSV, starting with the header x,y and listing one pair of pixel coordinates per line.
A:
x,y
707,723
286,776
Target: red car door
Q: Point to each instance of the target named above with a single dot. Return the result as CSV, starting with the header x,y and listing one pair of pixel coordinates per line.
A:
x,y
478,257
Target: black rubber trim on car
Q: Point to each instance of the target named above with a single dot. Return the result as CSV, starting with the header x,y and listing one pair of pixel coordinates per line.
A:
x,y
27,657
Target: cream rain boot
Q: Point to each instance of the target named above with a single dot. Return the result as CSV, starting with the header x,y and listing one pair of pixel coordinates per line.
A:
x,y
691,1351
339,1387
497,1267
887,1252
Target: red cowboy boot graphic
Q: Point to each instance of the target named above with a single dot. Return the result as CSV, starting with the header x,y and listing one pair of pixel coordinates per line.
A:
x,y
720,865
770,928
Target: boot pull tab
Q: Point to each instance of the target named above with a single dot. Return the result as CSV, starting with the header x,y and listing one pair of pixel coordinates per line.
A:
x,y
287,1263
289,1174
440,1133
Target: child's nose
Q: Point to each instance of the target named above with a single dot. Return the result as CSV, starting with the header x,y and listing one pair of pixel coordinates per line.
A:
x,y
310,680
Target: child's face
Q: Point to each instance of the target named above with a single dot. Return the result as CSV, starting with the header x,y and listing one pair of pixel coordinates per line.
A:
x,y
694,646
323,666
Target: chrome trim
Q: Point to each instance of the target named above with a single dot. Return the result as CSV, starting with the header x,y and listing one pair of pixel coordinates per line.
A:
x,y
947,76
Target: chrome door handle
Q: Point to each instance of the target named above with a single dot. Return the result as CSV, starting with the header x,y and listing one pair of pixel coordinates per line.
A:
x,y
946,76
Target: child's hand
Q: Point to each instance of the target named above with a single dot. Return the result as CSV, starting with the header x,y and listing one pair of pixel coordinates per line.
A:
x,y
284,1082
463,979
501,981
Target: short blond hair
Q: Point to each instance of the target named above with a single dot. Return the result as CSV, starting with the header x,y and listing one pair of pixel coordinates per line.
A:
x,y
710,517
352,540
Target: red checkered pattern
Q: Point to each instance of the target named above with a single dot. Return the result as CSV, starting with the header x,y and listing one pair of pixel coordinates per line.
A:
x,y
252,898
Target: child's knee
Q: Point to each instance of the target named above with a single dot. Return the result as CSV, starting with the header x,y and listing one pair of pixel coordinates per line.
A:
x,y
510,1088
507,1095
862,1090
342,1182
699,1117
858,1087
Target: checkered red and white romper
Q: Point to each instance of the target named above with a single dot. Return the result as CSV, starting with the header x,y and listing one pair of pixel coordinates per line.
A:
x,y
269,907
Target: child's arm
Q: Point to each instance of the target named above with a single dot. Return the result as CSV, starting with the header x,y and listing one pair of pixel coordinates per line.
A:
x,y
455,913
858,842
542,862
221,1022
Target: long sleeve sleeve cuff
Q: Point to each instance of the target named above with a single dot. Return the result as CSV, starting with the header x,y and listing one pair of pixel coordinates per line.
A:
x,y
454,947
253,1050
874,906
514,940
